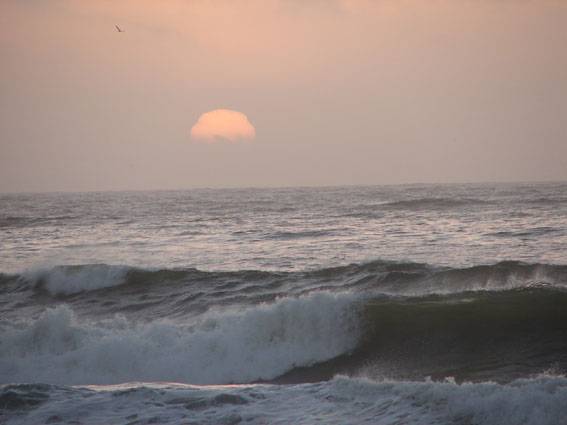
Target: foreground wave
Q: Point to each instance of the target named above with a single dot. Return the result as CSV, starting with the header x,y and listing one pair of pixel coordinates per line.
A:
x,y
537,401
474,336
221,347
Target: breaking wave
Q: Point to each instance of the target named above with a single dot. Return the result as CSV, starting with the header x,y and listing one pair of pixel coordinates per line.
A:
x,y
380,276
499,335
65,280
107,324
256,343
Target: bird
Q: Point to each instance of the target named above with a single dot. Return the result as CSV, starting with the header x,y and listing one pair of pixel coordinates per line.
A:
x,y
118,28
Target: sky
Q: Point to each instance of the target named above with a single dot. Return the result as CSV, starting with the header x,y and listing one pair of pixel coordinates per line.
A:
x,y
329,93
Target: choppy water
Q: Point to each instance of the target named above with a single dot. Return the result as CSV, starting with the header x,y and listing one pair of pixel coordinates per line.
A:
x,y
401,304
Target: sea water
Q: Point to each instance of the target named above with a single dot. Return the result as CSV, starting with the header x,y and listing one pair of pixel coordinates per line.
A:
x,y
415,304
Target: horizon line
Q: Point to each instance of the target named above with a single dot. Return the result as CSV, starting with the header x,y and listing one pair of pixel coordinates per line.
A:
x,y
280,187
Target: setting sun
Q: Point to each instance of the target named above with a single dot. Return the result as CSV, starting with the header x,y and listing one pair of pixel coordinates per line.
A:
x,y
223,124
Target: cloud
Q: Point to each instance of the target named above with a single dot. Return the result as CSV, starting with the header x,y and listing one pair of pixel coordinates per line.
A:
x,y
223,124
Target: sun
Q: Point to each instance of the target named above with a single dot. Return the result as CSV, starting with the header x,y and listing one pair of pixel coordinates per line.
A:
x,y
223,125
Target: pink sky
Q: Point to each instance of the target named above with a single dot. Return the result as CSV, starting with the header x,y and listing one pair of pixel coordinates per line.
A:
x,y
340,92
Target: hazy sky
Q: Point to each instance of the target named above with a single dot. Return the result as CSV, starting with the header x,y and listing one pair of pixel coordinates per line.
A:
x,y
339,92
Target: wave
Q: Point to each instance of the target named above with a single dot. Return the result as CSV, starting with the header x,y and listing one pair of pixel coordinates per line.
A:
x,y
474,336
432,203
65,280
470,336
530,232
537,401
385,277
540,400
289,235
547,200
25,221
225,346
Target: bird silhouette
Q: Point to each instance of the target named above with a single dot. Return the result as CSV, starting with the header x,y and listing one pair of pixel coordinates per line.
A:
x,y
118,28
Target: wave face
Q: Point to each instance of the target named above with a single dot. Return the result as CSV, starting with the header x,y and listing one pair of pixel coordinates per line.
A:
x,y
498,336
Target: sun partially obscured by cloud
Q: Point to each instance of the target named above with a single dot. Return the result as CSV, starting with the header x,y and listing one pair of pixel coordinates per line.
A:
x,y
223,124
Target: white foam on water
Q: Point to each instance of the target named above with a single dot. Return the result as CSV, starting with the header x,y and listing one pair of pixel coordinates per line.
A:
x,y
261,342
66,280
537,401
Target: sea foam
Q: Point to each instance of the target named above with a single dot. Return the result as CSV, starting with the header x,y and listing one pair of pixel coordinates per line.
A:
x,y
66,280
535,401
257,343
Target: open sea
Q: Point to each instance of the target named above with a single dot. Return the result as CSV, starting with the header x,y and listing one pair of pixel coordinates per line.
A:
x,y
414,304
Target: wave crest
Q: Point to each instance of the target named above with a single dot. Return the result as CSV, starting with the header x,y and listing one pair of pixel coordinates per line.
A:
x,y
386,277
66,280
224,347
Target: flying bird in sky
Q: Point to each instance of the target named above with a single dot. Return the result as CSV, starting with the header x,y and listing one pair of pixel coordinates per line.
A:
x,y
118,28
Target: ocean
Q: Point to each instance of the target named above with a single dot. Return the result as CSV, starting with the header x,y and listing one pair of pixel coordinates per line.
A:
x,y
412,304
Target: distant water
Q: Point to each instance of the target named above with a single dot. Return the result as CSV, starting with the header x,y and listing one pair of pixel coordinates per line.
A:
x,y
419,304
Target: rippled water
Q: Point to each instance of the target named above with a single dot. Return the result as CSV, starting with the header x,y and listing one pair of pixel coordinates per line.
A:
x,y
287,229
